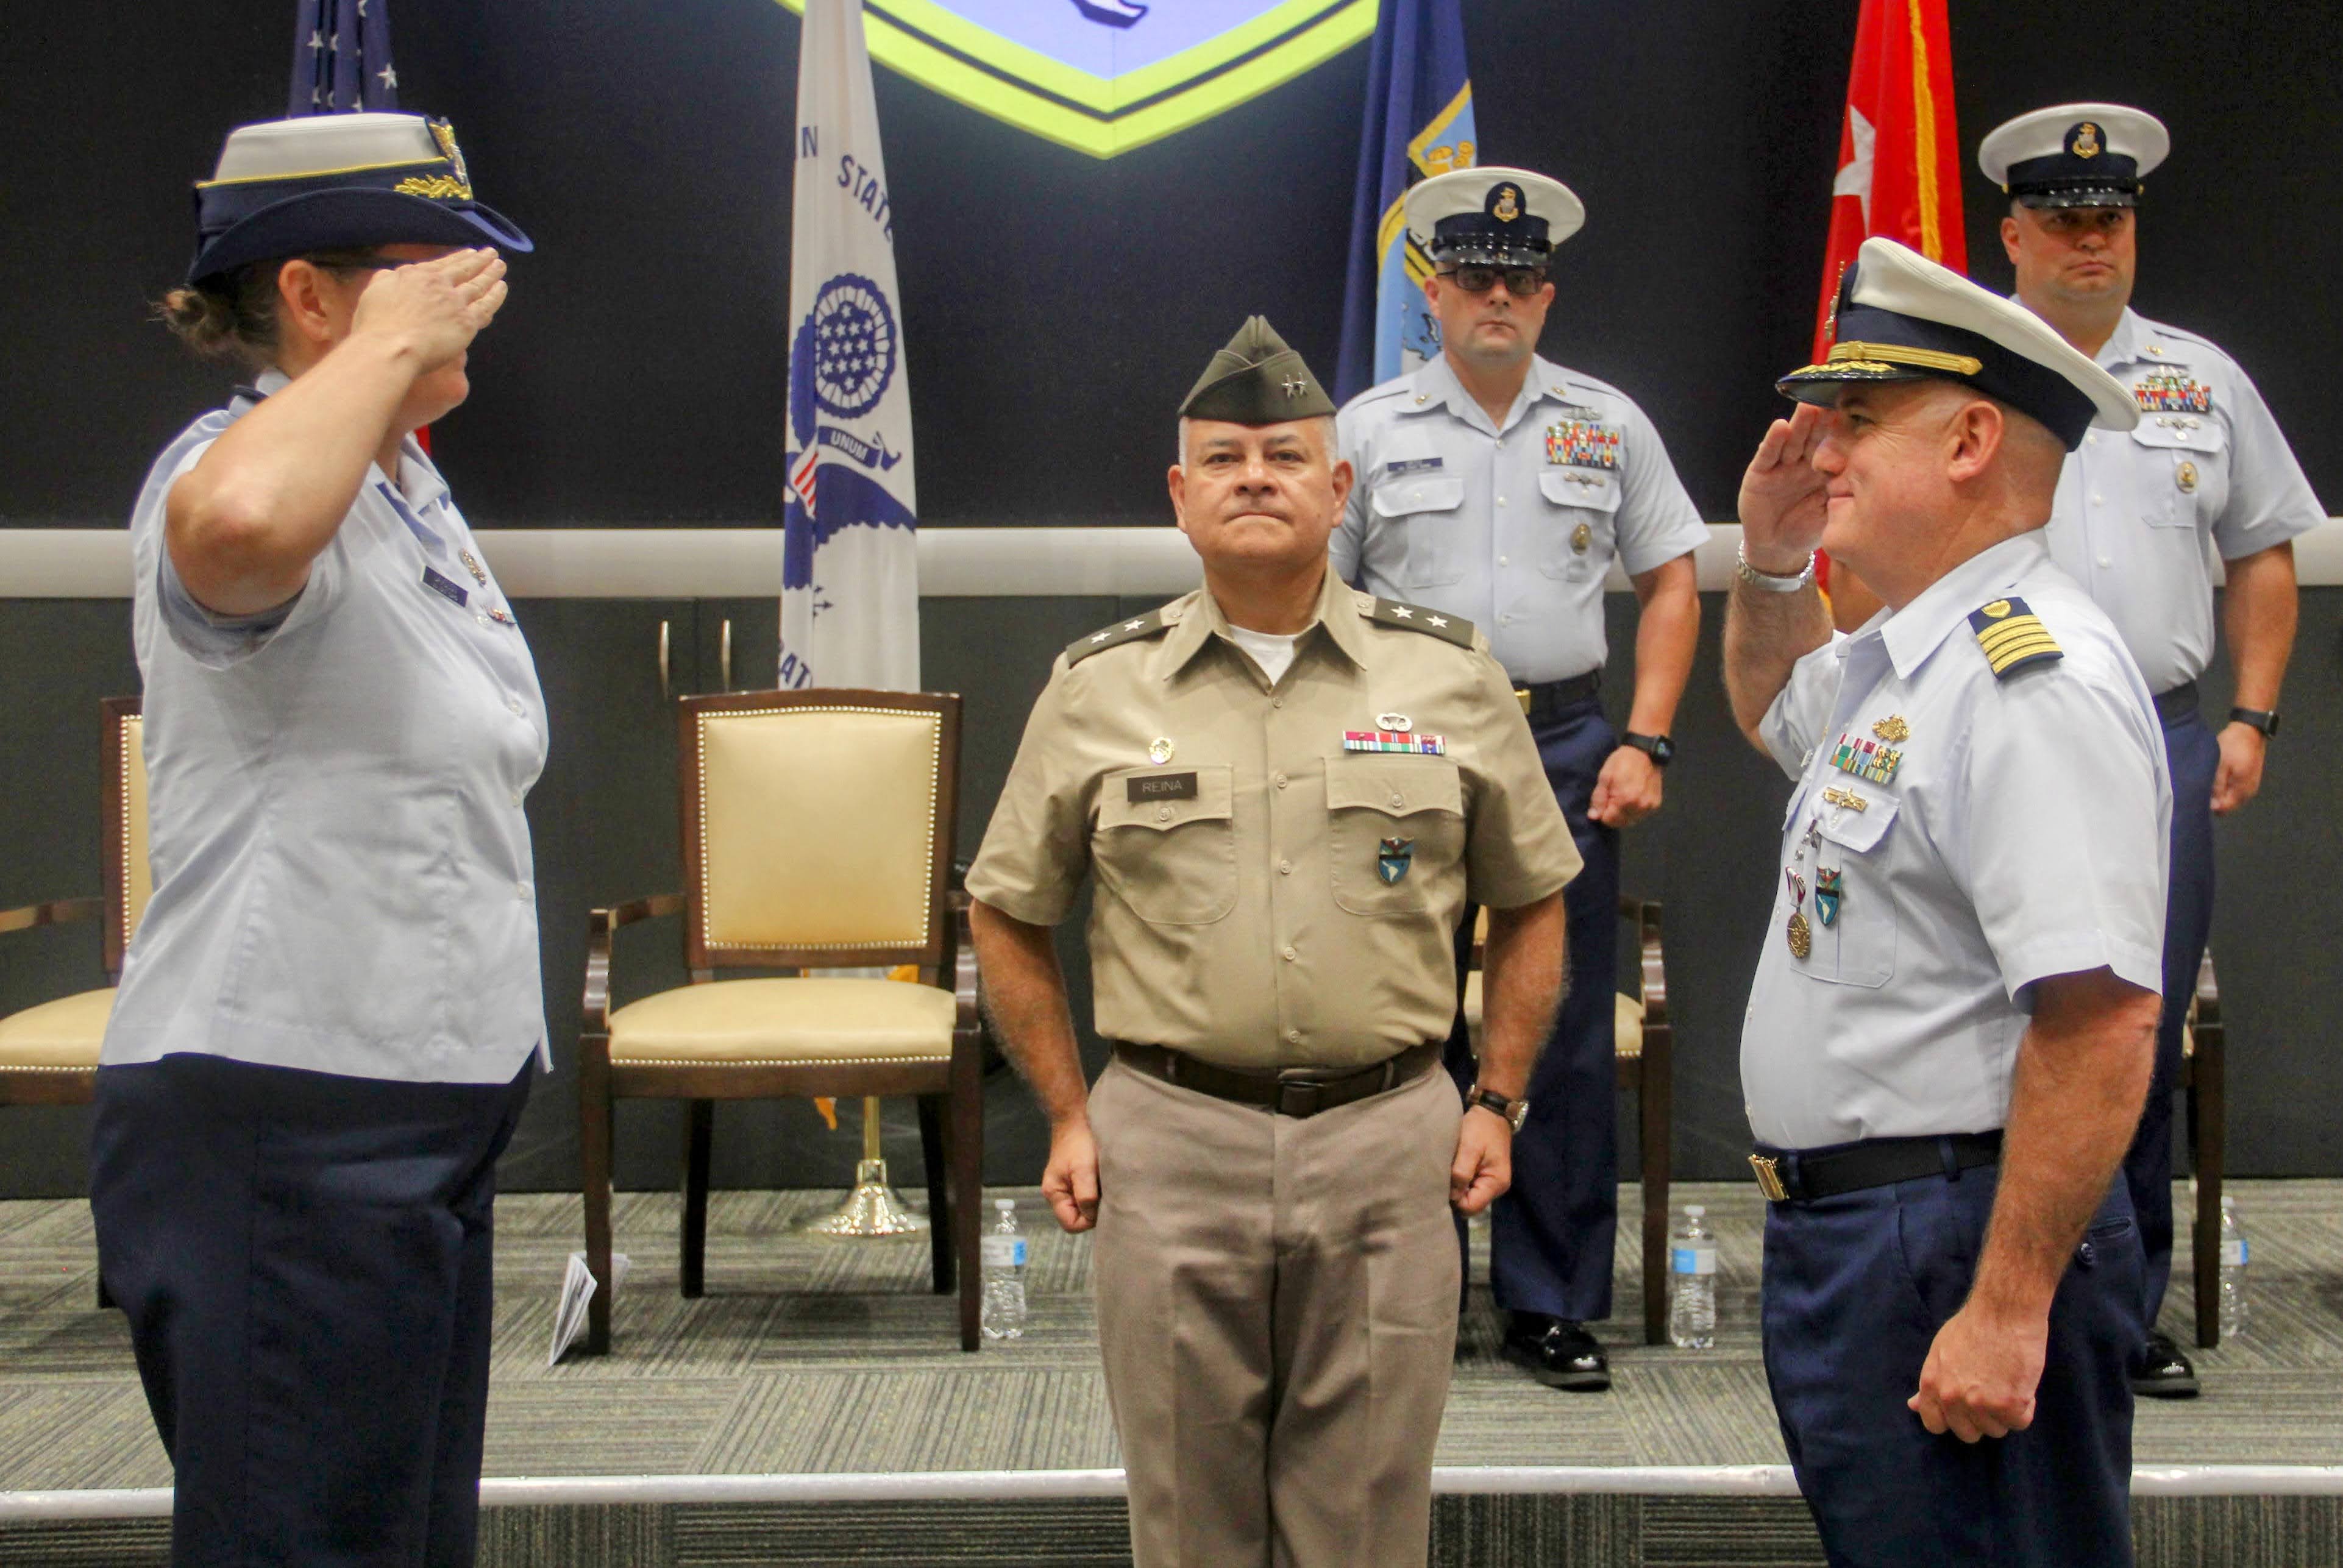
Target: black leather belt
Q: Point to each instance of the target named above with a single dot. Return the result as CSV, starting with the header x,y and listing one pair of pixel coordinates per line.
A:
x,y
1296,1096
1550,698
2180,703
1788,1176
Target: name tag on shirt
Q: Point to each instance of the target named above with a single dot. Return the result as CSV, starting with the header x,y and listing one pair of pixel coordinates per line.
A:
x,y
1412,466
1160,786
444,588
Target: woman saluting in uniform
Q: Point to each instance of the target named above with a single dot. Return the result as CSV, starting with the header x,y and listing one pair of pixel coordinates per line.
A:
x,y
322,1040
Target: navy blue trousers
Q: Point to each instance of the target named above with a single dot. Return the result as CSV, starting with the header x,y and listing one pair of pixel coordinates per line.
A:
x,y
2193,756
1551,1236
305,1260
1855,1289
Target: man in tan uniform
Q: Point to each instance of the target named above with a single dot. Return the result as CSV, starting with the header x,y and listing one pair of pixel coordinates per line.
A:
x,y
1287,790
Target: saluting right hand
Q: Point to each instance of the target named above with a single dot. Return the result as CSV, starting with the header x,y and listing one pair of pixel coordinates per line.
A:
x,y
1783,504
438,306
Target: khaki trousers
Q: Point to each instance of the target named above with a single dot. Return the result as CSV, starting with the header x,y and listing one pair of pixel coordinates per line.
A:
x,y
1277,1314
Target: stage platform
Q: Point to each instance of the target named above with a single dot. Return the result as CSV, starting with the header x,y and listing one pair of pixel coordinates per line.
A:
x,y
813,1408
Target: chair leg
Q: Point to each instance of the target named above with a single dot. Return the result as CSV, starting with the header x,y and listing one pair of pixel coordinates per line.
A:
x,y
2208,1127
933,1145
965,1144
1655,1131
698,1139
594,1157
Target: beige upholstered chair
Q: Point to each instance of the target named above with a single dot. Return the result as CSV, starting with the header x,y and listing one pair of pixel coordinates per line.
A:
x,y
817,834
1646,1044
2204,1077
48,1053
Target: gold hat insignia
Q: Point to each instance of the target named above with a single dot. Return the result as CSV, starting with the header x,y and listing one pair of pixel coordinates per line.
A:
x,y
1509,207
2086,140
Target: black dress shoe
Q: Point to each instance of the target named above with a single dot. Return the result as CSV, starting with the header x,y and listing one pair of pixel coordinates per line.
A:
x,y
1558,1352
2163,1371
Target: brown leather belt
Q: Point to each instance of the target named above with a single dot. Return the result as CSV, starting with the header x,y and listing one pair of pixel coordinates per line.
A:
x,y
1303,1095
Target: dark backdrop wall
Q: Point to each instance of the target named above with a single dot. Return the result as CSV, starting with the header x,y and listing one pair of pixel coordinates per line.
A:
x,y
1056,306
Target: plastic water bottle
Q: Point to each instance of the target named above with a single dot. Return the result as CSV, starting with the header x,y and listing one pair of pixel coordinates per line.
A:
x,y
1004,1276
2233,1269
1691,1269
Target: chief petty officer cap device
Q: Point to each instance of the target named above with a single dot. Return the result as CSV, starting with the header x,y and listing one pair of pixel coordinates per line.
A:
x,y
1492,217
2075,155
339,182
1902,317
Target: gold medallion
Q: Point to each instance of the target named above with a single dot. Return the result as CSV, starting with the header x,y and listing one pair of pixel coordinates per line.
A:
x,y
1580,537
2187,474
2086,140
1892,728
1801,935
1159,750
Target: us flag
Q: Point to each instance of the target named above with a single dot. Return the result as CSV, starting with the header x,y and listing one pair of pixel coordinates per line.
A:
x,y
341,59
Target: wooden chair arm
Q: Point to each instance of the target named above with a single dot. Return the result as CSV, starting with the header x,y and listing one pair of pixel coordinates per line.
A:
x,y
2208,995
56,913
966,1019
601,926
1653,958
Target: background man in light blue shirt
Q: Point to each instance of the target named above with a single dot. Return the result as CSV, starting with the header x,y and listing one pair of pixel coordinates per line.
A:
x,y
1501,486
2139,521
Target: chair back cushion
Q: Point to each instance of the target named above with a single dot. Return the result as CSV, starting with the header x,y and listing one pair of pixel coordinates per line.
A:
x,y
818,829
129,877
138,880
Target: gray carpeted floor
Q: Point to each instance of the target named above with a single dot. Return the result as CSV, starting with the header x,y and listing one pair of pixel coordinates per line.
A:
x,y
813,1356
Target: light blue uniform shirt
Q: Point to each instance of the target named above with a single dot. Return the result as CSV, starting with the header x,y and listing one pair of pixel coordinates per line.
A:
x,y
2140,517
2021,834
1514,527
341,863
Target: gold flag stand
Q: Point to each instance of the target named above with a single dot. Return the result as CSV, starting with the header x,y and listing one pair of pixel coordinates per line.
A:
x,y
872,1210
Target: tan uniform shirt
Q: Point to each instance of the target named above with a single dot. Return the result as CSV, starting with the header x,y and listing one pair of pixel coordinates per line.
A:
x,y
1267,897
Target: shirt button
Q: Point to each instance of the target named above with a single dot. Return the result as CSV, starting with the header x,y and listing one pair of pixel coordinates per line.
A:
x,y
1278,779
2105,561
516,797
520,890
1503,562
481,616
1163,813
513,703
1501,500
1277,702
1504,621
1285,868
1398,799
1289,955
2090,439
1293,1036
2099,500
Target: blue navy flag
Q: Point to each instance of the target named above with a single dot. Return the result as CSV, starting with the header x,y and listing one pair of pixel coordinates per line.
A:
x,y
850,557
341,59
1418,124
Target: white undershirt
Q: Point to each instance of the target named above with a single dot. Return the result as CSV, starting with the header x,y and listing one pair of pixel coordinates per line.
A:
x,y
1273,652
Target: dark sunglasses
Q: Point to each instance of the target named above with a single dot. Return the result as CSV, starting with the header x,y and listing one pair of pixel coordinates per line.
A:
x,y
1521,282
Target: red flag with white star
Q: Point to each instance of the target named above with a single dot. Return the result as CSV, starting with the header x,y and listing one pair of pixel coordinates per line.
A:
x,y
1899,163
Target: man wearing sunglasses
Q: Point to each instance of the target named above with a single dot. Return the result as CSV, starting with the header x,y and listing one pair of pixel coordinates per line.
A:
x,y
1501,486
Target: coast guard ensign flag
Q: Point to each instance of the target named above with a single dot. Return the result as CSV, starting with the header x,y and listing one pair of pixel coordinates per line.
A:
x,y
849,560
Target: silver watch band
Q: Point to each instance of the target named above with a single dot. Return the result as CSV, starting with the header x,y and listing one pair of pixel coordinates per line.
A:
x,y
1767,581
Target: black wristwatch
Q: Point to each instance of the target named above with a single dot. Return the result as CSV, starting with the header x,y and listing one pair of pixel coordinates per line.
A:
x,y
1658,747
2261,718
1516,1111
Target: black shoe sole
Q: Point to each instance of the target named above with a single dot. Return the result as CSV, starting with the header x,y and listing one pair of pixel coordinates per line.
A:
x,y
2164,1387
1576,1382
